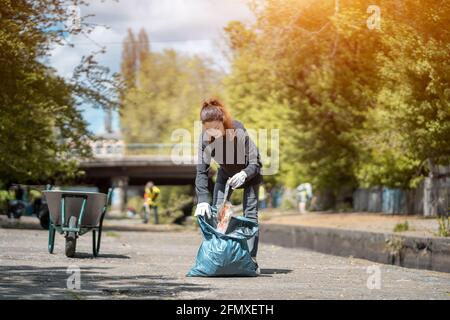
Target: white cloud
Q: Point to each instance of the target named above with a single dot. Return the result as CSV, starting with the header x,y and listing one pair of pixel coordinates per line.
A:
x,y
189,26
192,26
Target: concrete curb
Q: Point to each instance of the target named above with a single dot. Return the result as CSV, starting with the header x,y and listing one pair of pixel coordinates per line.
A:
x,y
388,248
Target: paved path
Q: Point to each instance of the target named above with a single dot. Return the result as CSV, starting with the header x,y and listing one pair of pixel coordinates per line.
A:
x,y
153,265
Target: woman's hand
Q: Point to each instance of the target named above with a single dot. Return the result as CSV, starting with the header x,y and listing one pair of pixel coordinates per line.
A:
x,y
202,209
238,179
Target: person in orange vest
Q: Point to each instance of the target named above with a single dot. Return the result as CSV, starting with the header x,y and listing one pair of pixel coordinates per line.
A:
x,y
151,194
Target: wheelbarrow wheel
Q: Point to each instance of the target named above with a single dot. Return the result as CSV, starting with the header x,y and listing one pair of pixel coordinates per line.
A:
x,y
96,238
71,238
71,244
44,218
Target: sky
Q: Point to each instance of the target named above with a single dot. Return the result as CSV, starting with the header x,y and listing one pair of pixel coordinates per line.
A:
x,y
189,26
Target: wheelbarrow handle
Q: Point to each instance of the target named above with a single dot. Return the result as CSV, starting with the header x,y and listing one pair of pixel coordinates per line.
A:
x,y
108,201
109,195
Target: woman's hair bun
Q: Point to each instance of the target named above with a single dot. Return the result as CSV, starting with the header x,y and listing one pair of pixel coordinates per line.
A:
x,y
211,102
214,110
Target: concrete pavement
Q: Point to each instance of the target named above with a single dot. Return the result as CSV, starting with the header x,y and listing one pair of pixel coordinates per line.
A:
x,y
152,265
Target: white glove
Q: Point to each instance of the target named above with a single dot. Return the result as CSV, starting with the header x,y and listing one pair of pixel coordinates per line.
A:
x,y
238,179
202,209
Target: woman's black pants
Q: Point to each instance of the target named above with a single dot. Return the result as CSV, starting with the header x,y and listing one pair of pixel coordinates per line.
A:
x,y
250,206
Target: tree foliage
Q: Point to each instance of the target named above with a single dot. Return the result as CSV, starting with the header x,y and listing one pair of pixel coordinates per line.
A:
x,y
357,105
164,91
410,128
41,127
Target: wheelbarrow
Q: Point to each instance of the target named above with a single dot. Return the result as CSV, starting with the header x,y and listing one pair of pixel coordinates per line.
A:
x,y
74,213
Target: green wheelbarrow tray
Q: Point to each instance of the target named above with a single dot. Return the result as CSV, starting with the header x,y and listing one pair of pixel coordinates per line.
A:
x,y
74,213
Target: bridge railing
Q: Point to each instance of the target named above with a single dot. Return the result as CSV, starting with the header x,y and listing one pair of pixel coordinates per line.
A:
x,y
117,150
163,149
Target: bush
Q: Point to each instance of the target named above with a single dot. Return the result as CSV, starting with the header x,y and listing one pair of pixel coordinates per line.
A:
x,y
237,196
401,227
4,197
136,203
444,226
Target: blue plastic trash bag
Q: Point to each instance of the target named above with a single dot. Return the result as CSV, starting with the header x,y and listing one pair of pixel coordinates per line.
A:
x,y
225,254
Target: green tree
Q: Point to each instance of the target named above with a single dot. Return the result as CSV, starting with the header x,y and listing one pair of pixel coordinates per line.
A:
x,y
129,60
168,93
319,61
258,99
409,130
42,132
362,106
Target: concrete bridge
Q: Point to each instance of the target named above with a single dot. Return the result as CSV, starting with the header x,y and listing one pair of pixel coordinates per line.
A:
x,y
137,170
122,166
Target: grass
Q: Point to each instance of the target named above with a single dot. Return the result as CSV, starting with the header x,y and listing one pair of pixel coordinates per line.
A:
x,y
444,226
343,207
401,227
74,295
112,234
394,245
264,217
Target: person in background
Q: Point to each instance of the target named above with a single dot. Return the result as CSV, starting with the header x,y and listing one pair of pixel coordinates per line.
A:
x,y
262,196
304,193
19,192
151,194
277,193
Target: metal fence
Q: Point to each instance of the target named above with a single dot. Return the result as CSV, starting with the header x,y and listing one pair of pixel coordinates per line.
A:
x,y
429,199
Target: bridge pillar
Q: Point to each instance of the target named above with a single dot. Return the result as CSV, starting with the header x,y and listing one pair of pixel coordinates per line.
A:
x,y
119,197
